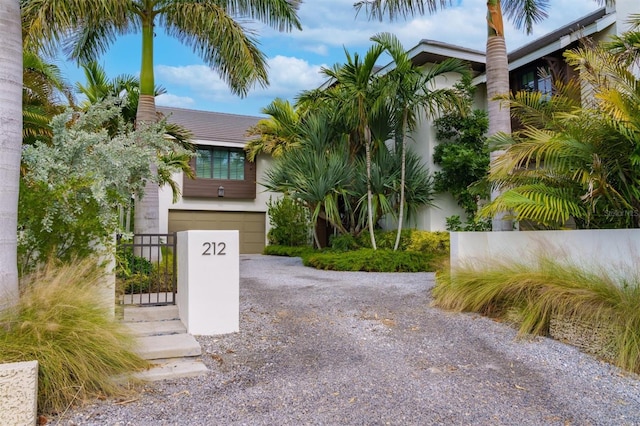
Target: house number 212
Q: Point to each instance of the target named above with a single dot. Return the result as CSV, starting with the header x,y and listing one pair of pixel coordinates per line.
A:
x,y
215,249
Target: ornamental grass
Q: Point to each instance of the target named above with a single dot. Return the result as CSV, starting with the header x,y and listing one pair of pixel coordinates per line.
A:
x,y
79,346
532,295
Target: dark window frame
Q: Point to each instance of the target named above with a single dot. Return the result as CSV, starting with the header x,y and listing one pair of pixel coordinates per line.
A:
x,y
209,188
540,75
233,169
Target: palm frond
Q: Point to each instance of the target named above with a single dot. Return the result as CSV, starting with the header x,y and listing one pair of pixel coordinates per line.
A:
x,y
525,13
222,42
46,23
538,203
278,14
394,9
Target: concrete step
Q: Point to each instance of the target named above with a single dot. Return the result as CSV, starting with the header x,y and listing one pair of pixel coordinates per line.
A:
x,y
150,313
165,369
155,328
162,338
167,346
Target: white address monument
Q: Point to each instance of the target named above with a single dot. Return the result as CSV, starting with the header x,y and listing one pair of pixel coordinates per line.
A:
x,y
208,281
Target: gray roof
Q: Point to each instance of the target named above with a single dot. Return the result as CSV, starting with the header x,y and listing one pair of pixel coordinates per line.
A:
x,y
211,126
557,34
433,51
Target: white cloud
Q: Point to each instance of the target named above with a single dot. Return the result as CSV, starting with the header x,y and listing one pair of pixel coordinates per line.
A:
x,y
194,76
334,23
287,76
318,49
167,99
328,25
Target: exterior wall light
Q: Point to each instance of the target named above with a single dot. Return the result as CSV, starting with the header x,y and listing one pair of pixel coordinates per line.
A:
x,y
221,191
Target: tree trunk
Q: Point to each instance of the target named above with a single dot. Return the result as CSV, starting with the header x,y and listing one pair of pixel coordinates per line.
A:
x,y
367,148
10,147
403,169
147,209
497,84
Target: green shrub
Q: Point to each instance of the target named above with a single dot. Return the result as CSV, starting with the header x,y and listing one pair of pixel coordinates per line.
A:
x,y
130,264
418,251
429,242
135,274
387,239
454,223
461,152
436,242
289,222
134,284
59,322
163,272
370,260
545,290
344,242
274,250
71,189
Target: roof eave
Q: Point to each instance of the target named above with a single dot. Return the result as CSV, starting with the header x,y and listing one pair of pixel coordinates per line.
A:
x,y
563,41
431,51
587,26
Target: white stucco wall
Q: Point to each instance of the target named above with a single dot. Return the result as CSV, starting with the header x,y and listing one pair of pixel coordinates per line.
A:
x,y
625,8
208,278
423,141
615,250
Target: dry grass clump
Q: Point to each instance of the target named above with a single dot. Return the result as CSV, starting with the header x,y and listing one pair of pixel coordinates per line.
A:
x,y
545,290
60,323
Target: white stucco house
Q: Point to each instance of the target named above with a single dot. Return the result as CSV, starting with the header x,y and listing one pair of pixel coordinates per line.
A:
x,y
226,193
524,66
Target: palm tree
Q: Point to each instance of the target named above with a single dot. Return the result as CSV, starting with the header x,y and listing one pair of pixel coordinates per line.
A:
x,y
411,93
360,102
45,94
207,26
99,87
386,168
276,134
126,88
627,45
523,13
10,143
571,160
317,173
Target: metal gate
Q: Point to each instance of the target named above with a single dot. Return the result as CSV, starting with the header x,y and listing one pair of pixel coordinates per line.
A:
x,y
146,269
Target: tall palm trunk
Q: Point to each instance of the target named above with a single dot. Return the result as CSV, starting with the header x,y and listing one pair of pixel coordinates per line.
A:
x,y
367,148
10,146
403,171
497,84
147,209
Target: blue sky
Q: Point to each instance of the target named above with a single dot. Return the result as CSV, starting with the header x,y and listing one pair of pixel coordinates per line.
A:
x,y
295,58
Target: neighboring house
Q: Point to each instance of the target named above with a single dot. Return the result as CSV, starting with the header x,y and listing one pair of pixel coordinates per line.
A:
x,y
525,64
546,53
225,193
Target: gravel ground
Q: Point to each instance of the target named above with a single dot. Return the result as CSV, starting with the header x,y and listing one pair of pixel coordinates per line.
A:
x,y
340,348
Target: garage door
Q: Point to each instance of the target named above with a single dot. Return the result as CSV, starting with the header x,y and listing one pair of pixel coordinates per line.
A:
x,y
250,224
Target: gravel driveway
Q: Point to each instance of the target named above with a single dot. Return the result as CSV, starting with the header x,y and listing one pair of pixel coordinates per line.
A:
x,y
342,348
